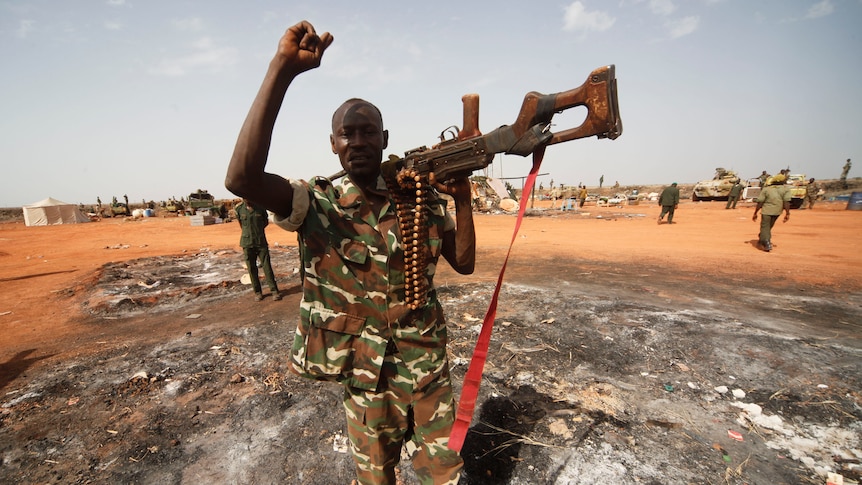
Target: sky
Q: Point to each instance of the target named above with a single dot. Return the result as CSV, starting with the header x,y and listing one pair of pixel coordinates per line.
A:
x,y
103,98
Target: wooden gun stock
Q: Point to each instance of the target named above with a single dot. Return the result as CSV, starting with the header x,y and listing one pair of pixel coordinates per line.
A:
x,y
598,94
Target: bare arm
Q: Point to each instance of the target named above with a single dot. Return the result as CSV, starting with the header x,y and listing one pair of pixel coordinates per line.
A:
x,y
459,245
299,50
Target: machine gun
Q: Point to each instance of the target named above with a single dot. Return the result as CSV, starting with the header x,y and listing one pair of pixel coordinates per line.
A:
x,y
468,150
409,178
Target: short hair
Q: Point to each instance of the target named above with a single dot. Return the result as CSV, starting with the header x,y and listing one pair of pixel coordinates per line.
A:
x,y
357,101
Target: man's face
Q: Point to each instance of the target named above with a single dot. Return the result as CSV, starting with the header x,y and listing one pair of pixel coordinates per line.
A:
x,y
358,138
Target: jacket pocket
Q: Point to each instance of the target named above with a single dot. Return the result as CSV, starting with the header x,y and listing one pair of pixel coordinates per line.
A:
x,y
323,347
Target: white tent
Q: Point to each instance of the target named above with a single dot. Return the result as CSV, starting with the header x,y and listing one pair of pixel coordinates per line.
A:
x,y
52,211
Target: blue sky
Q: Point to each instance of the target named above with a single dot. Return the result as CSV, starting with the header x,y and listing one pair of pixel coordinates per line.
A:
x,y
145,98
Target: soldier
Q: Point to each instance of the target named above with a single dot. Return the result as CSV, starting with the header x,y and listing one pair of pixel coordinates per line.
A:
x,y
844,172
364,320
735,194
811,192
253,220
763,178
669,201
772,199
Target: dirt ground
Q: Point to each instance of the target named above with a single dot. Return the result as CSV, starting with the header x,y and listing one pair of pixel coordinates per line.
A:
x,y
623,352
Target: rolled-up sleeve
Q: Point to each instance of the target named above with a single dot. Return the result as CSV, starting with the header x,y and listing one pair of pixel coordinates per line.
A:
x,y
299,208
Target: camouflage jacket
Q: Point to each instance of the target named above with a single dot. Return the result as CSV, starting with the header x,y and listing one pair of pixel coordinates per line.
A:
x,y
352,306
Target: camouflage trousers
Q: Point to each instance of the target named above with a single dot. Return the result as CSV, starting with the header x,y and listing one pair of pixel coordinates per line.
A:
x,y
380,422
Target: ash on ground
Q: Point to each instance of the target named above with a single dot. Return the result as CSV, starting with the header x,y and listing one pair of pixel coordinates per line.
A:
x,y
645,378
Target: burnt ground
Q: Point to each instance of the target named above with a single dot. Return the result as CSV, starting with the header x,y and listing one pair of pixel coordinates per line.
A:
x,y
600,375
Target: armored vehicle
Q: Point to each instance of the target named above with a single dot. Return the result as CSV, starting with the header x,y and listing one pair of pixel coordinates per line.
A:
x,y
718,188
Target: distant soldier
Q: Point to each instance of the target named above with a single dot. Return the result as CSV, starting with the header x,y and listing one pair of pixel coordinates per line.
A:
x,y
811,192
669,201
253,220
735,194
763,177
844,174
582,196
772,200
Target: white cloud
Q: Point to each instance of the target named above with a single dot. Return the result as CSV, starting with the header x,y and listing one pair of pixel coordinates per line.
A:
x,y
116,3
113,25
682,27
820,9
194,24
206,57
577,18
24,28
662,7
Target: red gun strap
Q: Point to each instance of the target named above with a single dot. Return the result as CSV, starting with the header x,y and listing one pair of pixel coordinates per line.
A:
x,y
470,389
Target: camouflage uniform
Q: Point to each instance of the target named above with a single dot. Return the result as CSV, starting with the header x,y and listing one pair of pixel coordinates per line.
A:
x,y
254,246
773,198
356,329
811,192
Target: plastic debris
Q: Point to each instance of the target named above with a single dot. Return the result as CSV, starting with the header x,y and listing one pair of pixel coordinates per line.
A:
x,y
834,479
736,435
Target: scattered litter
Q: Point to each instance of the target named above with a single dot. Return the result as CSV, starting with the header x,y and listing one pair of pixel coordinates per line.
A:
x,y
72,401
668,387
834,479
112,431
5,313
339,443
193,315
721,389
549,320
558,427
142,374
736,435
469,318
682,367
692,385
822,386
738,393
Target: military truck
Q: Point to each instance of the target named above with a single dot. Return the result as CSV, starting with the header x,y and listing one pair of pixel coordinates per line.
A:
x,y
202,202
798,184
717,188
172,206
120,208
